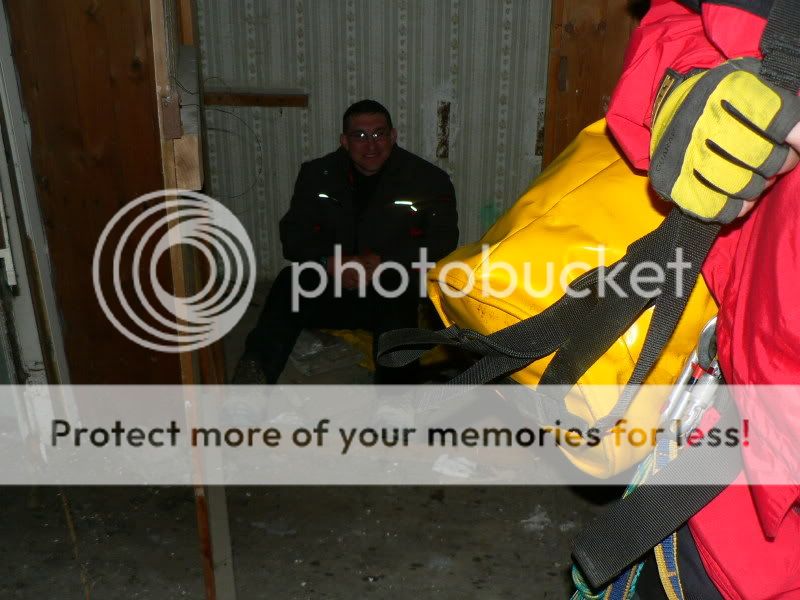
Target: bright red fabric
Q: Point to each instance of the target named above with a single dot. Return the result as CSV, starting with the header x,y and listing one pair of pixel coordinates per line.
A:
x,y
749,537
672,36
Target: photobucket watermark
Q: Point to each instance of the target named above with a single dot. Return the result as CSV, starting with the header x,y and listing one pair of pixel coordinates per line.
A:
x,y
142,240
489,278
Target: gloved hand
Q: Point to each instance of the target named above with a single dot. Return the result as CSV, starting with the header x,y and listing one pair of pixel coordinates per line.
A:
x,y
718,137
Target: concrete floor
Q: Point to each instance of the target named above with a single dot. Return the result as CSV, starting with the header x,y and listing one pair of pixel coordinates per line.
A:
x,y
343,543
292,542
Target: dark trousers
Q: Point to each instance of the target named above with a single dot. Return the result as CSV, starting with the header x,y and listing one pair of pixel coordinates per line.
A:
x,y
279,325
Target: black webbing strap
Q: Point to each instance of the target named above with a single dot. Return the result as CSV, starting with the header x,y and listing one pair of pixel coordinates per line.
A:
x,y
637,523
678,232
694,238
516,346
613,314
780,45
523,342
531,338
612,318
503,352
579,329
678,235
526,339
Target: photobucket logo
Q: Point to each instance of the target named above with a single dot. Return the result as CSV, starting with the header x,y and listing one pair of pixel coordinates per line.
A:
x,y
490,278
143,236
541,279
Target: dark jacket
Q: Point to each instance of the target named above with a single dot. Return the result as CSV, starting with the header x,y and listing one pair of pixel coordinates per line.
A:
x,y
413,206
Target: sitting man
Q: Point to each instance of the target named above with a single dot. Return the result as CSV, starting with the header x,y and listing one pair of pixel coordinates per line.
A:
x,y
359,218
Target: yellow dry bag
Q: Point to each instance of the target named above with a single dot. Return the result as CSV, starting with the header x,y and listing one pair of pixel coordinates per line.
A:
x,y
585,210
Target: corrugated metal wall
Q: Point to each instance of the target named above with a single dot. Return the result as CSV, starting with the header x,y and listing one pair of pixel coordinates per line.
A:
x,y
488,58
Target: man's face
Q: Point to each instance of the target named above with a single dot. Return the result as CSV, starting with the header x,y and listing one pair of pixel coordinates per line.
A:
x,y
369,141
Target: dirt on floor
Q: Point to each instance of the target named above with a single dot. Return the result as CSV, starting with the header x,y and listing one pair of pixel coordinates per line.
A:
x,y
296,542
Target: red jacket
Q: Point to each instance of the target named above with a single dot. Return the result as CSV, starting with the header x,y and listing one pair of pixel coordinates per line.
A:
x,y
749,537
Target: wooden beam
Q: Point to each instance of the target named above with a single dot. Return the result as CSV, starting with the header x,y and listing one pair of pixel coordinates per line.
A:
x,y
177,157
186,22
290,100
587,45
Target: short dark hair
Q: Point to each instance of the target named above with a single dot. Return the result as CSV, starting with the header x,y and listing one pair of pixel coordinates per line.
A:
x,y
365,107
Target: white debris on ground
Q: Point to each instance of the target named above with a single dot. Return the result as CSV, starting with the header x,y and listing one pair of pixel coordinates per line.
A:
x,y
457,467
567,526
537,522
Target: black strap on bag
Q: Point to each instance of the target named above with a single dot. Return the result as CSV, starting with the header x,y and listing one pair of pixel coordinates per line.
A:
x,y
594,337
579,329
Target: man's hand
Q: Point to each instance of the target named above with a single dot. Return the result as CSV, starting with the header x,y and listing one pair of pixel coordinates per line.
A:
x,y
720,138
371,261
351,277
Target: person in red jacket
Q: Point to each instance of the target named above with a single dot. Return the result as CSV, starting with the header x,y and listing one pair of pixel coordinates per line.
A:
x,y
748,538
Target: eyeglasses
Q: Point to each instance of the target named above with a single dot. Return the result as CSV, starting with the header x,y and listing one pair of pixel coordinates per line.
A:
x,y
362,136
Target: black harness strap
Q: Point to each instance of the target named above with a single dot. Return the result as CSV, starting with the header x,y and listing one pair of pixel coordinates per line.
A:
x,y
634,525
695,238
780,45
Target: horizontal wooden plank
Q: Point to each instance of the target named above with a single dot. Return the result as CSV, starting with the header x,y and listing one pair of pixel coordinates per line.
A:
x,y
227,98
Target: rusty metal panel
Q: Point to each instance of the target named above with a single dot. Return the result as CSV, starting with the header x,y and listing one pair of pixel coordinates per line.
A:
x,y
465,81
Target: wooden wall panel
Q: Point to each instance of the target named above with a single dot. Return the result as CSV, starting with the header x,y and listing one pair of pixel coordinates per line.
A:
x,y
86,70
587,46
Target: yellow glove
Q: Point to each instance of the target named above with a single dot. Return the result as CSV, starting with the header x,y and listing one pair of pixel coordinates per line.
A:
x,y
717,137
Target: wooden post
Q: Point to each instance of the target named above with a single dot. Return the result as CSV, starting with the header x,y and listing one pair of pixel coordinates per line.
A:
x,y
182,162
